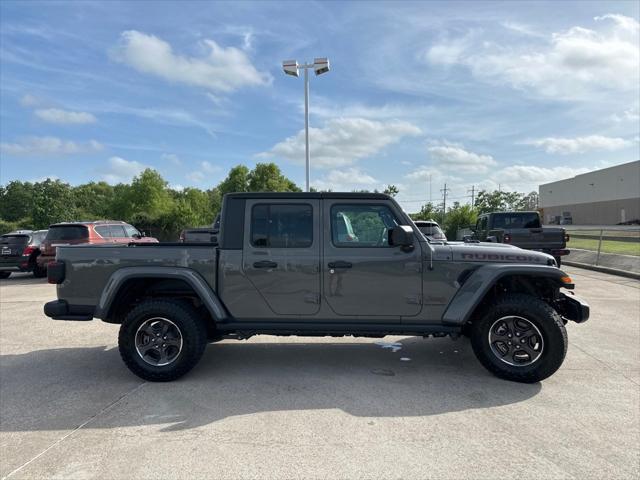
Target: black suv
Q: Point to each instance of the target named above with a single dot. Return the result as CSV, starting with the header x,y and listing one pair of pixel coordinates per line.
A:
x,y
19,251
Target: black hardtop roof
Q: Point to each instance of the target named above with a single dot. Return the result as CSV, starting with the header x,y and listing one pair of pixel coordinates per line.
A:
x,y
90,222
311,195
511,212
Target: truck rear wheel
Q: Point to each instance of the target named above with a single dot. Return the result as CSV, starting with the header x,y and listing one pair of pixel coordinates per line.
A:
x,y
161,340
519,338
5,274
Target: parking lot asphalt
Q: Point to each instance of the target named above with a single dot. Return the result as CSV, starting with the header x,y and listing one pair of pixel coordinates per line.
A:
x,y
317,407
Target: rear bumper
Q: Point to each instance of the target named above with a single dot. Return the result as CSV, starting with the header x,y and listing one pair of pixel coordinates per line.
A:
x,y
61,310
15,264
572,307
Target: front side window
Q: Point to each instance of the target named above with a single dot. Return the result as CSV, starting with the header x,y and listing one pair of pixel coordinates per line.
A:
x,y
282,226
131,231
361,225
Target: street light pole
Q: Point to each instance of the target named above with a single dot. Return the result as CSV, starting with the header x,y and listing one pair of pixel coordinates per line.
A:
x,y
306,128
291,67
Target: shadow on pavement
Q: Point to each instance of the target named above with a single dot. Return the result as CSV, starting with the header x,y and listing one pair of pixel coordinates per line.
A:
x,y
62,388
22,279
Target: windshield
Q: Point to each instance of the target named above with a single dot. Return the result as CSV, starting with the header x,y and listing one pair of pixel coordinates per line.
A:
x,y
67,232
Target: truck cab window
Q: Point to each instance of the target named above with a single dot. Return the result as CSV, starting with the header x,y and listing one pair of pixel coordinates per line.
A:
x,y
282,226
361,225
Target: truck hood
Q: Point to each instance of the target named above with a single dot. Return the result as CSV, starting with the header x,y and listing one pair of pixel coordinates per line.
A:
x,y
495,252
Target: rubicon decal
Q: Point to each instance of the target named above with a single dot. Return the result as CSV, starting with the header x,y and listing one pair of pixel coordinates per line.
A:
x,y
496,257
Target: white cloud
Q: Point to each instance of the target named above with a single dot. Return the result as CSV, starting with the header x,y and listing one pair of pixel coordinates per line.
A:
x,y
120,170
455,157
223,69
346,180
171,157
195,176
29,100
342,141
575,63
59,116
628,115
521,174
567,146
209,168
49,146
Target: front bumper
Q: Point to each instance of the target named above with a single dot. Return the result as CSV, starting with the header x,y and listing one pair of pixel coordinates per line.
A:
x,y
572,307
61,310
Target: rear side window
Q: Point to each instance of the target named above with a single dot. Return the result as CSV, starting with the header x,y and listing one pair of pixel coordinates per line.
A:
x,y
282,226
68,232
117,231
38,237
516,220
103,231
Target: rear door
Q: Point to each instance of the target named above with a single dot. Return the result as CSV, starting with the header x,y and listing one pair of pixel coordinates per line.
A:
x,y
281,254
12,246
363,275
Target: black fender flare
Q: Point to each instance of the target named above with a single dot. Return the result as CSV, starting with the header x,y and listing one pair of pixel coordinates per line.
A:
x,y
476,286
208,297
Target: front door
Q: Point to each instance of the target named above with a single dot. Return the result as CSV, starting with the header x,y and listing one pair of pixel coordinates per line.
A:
x,y
363,274
281,254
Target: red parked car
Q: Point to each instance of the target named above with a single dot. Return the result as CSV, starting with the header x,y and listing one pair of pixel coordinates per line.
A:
x,y
76,233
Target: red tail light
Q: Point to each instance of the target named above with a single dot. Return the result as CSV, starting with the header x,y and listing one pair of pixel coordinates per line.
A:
x,y
29,250
506,238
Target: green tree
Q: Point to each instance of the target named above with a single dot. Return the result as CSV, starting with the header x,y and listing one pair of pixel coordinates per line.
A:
x,y
52,203
428,212
16,201
237,181
149,194
459,216
267,177
93,200
391,190
497,201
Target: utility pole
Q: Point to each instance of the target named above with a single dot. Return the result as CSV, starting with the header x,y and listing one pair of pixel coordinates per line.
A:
x,y
430,197
473,195
444,191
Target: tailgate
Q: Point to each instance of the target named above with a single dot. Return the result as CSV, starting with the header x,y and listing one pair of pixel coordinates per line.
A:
x,y
538,238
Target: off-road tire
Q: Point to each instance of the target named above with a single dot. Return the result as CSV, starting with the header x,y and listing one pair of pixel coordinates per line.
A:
x,y
5,274
542,316
192,328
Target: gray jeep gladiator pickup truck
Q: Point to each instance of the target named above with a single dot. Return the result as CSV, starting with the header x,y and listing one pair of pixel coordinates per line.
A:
x,y
319,264
524,230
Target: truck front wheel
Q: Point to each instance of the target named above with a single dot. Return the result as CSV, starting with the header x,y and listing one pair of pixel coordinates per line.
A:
x,y
161,340
519,338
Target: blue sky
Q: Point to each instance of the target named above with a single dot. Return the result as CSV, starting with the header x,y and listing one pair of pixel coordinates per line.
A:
x,y
508,94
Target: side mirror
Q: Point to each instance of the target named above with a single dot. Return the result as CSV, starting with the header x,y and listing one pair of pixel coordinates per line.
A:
x,y
143,234
401,236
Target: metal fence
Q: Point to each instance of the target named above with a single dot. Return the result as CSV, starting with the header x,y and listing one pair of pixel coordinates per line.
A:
x,y
607,246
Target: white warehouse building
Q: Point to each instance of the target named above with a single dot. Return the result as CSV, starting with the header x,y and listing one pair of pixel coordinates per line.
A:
x,y
602,197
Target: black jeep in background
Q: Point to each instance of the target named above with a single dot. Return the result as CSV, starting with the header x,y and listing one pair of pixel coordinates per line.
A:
x,y
524,230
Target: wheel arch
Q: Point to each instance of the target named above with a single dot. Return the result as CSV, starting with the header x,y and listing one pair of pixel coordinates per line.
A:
x,y
485,281
127,285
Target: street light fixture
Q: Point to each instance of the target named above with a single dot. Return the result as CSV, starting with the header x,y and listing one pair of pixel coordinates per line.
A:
x,y
291,67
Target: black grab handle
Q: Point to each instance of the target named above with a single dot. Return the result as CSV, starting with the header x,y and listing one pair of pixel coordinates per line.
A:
x,y
265,264
340,264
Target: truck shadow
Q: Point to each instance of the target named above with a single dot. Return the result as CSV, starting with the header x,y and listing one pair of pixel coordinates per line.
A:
x,y
60,389
22,279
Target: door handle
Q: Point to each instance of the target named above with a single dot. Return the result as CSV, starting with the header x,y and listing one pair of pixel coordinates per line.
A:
x,y
265,264
340,264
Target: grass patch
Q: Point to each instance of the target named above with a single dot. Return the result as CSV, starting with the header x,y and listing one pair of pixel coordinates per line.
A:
x,y
608,246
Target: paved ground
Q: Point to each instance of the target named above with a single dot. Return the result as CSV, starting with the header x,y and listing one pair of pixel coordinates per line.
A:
x,y
317,408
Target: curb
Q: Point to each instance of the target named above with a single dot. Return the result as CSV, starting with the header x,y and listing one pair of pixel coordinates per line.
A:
x,y
598,268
